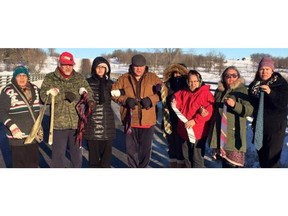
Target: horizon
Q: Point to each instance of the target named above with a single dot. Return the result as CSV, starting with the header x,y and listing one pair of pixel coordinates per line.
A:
x,y
230,53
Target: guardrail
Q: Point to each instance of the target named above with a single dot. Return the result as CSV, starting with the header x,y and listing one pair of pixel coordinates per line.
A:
x,y
6,78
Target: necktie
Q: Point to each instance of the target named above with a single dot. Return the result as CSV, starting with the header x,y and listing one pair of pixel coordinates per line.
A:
x,y
258,139
223,136
166,113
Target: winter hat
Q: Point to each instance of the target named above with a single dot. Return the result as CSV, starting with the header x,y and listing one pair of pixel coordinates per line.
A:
x,y
266,62
104,65
138,60
66,58
21,70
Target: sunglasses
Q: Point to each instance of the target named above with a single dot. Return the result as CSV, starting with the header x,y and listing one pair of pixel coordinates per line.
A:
x,y
231,75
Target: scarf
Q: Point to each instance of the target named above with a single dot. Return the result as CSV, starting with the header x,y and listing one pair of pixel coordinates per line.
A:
x,y
83,111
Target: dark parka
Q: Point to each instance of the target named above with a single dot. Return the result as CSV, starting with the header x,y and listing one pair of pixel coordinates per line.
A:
x,y
100,124
236,117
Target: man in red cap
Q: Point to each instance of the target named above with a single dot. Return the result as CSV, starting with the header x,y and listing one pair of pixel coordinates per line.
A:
x,y
67,86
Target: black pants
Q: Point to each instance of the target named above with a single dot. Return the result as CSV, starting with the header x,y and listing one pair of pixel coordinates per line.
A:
x,y
25,156
138,147
100,152
60,140
195,154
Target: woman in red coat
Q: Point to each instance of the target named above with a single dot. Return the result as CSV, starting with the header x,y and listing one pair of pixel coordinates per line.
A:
x,y
194,129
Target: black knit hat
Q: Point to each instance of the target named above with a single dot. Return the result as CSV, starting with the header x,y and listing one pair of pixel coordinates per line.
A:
x,y
138,60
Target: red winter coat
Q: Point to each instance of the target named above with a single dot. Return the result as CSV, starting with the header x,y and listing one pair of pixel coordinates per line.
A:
x,y
189,104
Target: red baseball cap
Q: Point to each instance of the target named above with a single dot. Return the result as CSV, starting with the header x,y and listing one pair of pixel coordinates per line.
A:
x,y
66,58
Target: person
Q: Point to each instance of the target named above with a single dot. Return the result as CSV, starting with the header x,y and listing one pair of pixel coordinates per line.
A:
x,y
227,135
66,85
138,110
191,103
100,128
271,113
19,107
175,76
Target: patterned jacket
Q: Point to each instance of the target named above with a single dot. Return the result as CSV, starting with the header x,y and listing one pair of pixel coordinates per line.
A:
x,y
13,109
65,114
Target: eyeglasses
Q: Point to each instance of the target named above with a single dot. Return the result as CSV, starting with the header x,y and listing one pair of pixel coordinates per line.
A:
x,y
231,75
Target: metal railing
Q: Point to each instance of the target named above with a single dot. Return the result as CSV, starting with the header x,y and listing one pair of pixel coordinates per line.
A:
x,y
6,78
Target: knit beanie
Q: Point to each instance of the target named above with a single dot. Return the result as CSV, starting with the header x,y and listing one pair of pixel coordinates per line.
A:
x,y
266,62
138,60
21,70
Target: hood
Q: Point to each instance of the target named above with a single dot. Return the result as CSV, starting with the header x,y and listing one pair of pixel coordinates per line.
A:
x,y
174,67
98,61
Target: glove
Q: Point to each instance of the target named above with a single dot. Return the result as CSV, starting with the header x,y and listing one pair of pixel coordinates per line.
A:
x,y
91,104
146,103
82,90
131,102
117,92
16,132
53,91
70,96
157,88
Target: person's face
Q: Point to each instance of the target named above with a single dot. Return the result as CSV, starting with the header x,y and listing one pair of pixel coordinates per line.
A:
x,y
139,70
265,73
176,74
231,76
193,82
21,80
67,69
100,70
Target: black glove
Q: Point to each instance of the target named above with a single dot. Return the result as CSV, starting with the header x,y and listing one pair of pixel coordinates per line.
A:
x,y
146,103
157,88
131,102
70,96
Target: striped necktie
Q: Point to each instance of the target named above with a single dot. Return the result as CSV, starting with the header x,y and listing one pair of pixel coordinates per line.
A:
x,y
166,113
223,136
258,139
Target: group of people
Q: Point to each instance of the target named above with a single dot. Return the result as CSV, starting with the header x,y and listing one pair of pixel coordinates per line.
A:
x,y
192,115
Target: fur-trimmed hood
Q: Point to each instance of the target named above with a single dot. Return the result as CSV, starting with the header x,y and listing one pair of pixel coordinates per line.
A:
x,y
221,86
172,68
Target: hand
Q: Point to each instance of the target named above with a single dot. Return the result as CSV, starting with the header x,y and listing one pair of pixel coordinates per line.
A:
x,y
70,96
157,88
230,102
82,90
146,103
203,112
174,102
265,88
117,92
16,132
131,102
53,91
190,124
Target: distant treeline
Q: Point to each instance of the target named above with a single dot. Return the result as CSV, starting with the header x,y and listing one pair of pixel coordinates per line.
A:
x,y
34,58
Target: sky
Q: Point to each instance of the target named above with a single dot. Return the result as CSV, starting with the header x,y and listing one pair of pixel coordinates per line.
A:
x,y
230,53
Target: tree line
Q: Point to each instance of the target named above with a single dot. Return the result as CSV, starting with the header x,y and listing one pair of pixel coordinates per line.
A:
x,y
34,59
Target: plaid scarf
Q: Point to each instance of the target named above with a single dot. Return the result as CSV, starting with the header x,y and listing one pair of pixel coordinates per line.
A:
x,y
83,111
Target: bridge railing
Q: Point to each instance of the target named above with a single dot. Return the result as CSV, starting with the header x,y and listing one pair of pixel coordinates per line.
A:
x,y
6,78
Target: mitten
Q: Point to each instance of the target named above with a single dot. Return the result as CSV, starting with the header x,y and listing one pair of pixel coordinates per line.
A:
x,y
146,103
131,102
70,96
82,90
53,91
